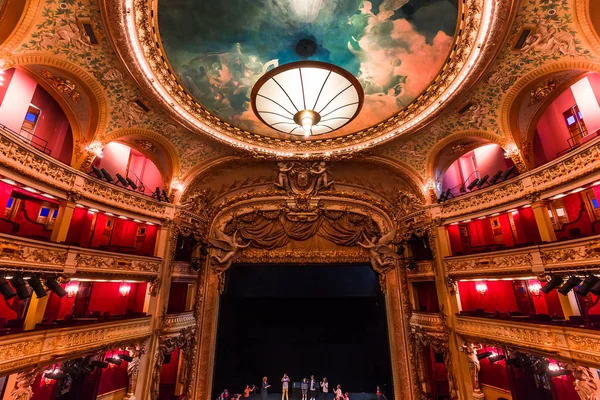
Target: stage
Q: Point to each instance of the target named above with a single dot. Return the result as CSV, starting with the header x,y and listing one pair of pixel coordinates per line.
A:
x,y
353,396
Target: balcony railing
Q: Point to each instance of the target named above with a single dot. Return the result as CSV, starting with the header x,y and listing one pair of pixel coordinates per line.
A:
x,y
430,322
580,163
30,162
176,322
581,345
568,254
31,348
34,254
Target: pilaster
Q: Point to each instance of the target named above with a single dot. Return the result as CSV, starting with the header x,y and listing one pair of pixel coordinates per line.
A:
x,y
542,219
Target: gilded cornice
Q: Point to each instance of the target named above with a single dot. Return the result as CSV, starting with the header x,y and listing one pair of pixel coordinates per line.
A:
x,y
35,348
145,59
582,16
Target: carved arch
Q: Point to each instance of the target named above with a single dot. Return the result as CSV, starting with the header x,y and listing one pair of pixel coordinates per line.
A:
x,y
509,107
22,27
587,18
92,88
414,179
434,154
166,147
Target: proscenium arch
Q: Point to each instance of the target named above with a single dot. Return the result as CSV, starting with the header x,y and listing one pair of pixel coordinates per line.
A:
x,y
164,145
208,290
406,172
434,154
509,106
90,86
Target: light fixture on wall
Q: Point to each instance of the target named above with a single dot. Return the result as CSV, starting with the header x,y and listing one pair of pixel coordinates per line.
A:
x,y
307,98
481,288
124,289
177,184
72,289
95,148
535,288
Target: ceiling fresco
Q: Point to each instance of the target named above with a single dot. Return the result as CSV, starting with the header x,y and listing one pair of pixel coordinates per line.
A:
x,y
219,49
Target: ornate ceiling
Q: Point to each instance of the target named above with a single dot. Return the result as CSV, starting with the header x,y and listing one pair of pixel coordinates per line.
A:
x,y
415,117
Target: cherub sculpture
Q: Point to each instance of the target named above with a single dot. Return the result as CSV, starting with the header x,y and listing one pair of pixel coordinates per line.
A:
x,y
323,182
381,253
283,181
229,245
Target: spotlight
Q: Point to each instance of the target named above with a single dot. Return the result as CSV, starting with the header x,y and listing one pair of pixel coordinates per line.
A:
x,y
131,183
55,287
18,283
555,282
485,355
572,282
57,376
482,181
125,357
122,180
472,184
106,175
508,173
98,364
555,370
97,172
165,196
156,193
587,285
496,358
36,284
114,360
495,177
6,290
517,362
195,265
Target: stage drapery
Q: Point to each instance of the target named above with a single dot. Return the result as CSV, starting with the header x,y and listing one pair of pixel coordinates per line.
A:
x,y
271,230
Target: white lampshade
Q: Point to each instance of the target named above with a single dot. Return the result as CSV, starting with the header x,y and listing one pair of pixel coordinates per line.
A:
x,y
307,98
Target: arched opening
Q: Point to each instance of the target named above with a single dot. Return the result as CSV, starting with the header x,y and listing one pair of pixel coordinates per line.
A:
x,y
571,120
29,111
594,10
479,167
126,166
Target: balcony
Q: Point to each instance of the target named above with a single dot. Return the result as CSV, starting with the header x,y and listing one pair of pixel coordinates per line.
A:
x,y
176,322
568,254
580,163
429,322
59,179
48,346
28,253
572,343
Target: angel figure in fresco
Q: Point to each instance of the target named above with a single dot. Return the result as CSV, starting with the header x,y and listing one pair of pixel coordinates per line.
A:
x,y
381,253
228,244
323,182
283,181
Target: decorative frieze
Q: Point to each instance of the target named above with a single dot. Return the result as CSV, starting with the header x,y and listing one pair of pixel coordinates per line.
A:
x,y
581,162
581,345
28,253
38,347
569,254
430,322
18,156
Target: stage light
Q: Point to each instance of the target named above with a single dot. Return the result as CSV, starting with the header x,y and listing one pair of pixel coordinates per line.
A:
x,y
596,289
482,356
587,285
122,180
508,173
106,175
572,282
18,283
97,172
481,288
56,375
156,193
36,284
472,184
462,189
125,357
55,287
555,282
99,364
131,183
482,181
496,358
555,370
535,288
495,177
412,265
6,290
114,360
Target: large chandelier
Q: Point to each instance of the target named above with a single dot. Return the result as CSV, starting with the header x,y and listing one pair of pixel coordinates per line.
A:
x,y
307,98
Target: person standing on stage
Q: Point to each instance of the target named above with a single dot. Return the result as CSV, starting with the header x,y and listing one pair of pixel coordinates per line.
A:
x,y
264,389
325,388
248,390
338,392
304,388
224,395
285,385
312,386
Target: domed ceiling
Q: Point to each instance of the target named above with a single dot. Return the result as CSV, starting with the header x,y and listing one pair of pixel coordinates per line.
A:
x,y
219,49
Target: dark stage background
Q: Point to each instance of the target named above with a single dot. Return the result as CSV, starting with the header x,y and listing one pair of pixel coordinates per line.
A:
x,y
322,320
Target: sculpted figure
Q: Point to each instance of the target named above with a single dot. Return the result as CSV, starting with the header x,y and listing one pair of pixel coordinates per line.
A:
x,y
23,390
323,181
548,41
471,349
283,181
585,385
382,255
229,244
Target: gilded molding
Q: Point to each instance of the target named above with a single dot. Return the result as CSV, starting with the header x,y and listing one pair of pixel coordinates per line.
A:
x,y
174,323
565,342
31,348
